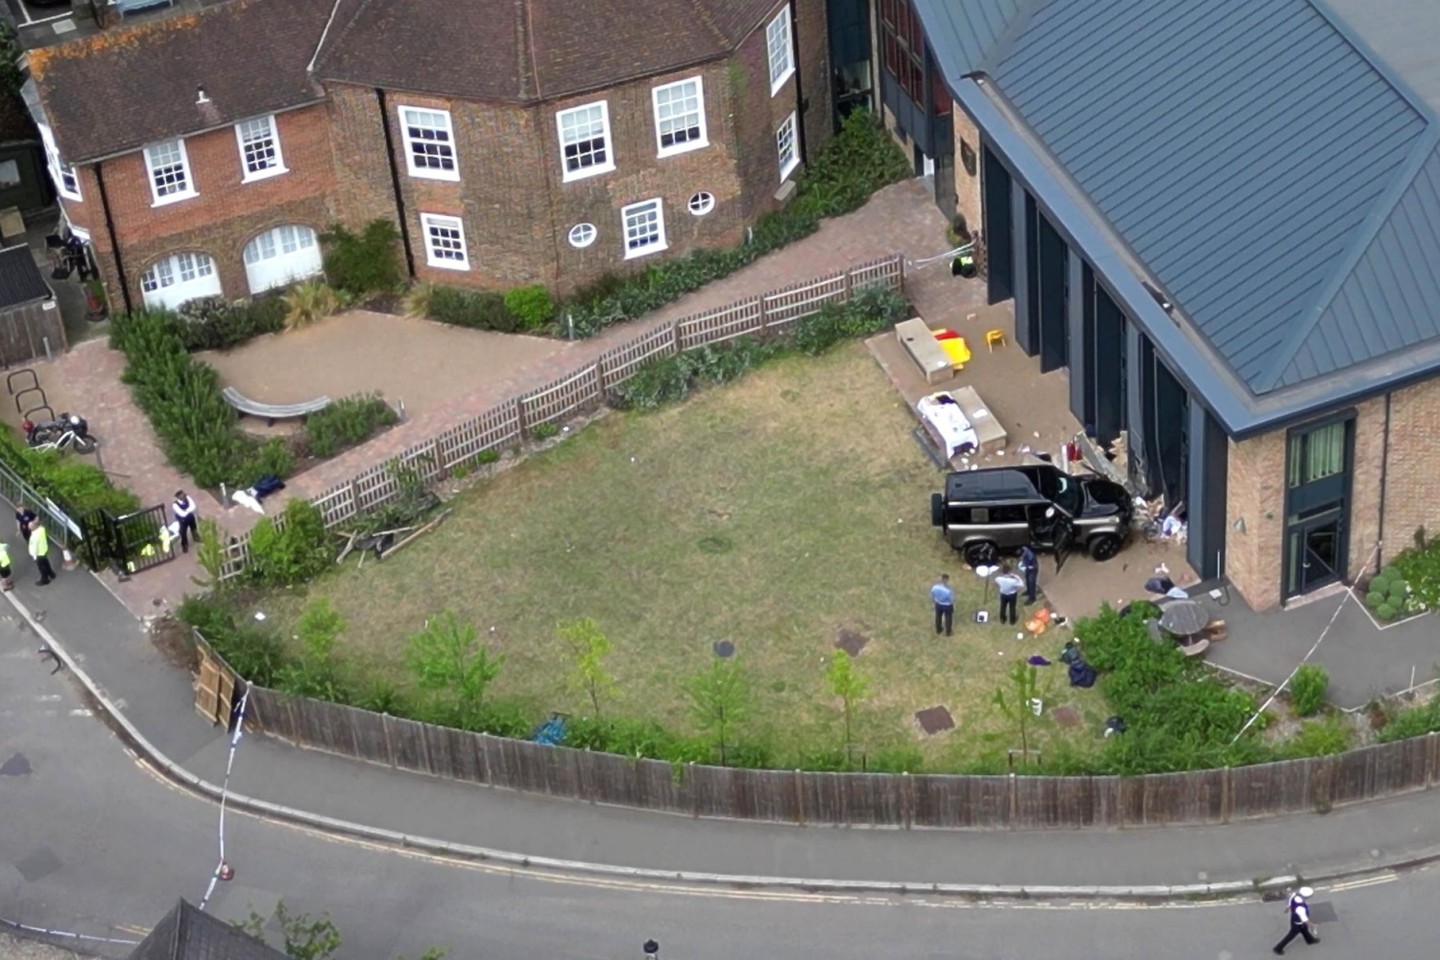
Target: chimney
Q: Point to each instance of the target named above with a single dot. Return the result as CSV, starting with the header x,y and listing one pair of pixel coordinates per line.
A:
x,y
200,97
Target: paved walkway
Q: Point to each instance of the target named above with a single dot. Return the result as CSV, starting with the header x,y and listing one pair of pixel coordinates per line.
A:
x,y
109,646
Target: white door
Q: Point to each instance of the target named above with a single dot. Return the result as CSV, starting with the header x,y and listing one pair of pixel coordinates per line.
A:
x,y
180,277
281,256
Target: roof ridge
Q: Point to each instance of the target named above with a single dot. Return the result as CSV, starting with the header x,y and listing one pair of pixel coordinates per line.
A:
x,y
1380,213
704,15
1377,63
1004,43
322,46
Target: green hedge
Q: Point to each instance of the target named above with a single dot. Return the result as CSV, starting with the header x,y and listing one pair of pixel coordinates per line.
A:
x,y
347,422
76,486
181,396
214,323
842,175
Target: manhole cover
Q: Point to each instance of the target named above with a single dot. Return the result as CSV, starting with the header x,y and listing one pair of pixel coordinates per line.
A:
x,y
851,641
935,719
724,649
715,545
1066,716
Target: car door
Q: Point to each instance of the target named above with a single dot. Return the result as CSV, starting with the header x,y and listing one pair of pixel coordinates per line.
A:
x,y
1064,539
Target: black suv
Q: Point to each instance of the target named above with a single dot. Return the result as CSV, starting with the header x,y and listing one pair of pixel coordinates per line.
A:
x,y
984,513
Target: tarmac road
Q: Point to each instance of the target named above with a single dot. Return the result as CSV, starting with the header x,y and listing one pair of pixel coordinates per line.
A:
x,y
93,842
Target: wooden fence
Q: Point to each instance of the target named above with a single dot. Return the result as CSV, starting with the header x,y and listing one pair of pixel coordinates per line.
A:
x,y
584,389
858,799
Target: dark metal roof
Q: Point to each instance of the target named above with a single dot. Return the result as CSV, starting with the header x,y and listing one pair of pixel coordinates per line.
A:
x,y
964,33
188,933
1261,163
20,279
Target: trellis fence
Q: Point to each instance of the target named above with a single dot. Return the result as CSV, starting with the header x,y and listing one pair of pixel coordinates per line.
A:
x,y
583,389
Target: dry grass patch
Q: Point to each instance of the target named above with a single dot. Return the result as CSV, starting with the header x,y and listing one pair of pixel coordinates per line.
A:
x,y
771,513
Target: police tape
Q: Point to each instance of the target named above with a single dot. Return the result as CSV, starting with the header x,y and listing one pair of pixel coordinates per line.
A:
x,y
223,870
49,932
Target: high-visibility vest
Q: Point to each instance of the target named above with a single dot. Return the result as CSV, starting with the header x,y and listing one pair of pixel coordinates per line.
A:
x,y
39,541
4,555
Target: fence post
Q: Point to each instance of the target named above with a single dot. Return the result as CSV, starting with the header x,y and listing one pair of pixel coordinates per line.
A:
x,y
1433,739
520,425
799,781
849,276
900,265
1227,796
389,744
580,778
479,740
907,788
1013,807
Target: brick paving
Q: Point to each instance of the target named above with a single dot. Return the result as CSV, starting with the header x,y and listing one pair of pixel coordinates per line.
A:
x,y
899,219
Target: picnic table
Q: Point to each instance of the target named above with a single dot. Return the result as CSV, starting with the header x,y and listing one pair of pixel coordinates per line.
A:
x,y
1184,618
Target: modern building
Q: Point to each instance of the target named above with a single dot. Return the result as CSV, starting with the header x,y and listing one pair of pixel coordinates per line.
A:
x,y
510,141
1222,219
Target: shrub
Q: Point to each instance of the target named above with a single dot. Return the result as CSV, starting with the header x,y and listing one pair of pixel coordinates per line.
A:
x,y
181,397
1307,688
292,551
256,653
1374,599
1387,611
418,300
347,422
1419,568
532,306
1398,591
488,455
871,311
1410,722
307,303
74,485
363,264
213,323
1318,738
545,431
477,309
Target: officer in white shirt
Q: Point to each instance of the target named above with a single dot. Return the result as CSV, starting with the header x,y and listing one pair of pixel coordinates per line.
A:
x,y
185,517
1300,923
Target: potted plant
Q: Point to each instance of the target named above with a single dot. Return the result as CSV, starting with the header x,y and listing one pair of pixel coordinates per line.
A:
x,y
97,307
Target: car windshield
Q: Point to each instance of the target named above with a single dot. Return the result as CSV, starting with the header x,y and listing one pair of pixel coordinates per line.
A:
x,y
1068,496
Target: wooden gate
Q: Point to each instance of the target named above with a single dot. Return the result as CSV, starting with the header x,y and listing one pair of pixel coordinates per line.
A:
x,y
214,689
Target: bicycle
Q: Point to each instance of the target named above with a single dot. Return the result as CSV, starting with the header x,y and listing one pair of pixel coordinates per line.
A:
x,y
68,431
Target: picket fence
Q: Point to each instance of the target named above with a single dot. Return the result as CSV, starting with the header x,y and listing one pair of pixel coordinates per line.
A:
x,y
580,390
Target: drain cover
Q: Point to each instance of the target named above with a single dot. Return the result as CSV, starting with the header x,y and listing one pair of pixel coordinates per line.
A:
x,y
935,719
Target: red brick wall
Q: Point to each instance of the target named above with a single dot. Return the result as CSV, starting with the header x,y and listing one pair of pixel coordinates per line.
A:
x,y
225,215
813,36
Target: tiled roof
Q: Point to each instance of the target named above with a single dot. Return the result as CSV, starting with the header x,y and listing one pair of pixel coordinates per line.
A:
x,y
127,86
526,50
20,279
188,933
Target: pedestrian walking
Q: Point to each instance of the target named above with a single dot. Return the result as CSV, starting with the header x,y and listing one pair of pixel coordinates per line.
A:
x,y
184,509
24,519
1009,586
1030,567
39,544
1300,923
944,596
7,579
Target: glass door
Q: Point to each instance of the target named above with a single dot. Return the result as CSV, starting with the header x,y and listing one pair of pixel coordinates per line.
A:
x,y
1314,554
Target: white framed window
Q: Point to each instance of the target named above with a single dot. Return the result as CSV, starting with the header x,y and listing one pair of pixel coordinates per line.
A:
x,y
644,228
281,256
444,241
785,149
169,169
179,277
585,141
582,235
701,203
781,50
67,181
259,141
680,116
429,143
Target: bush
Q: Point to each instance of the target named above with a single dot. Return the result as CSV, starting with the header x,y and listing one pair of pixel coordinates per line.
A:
x,y
181,397
842,175
1374,599
1387,611
347,422
476,309
532,306
254,652
1318,738
292,551
1307,689
363,264
1410,722
871,311
1419,568
214,323
307,303
75,485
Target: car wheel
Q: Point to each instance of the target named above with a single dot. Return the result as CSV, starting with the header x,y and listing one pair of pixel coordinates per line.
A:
x,y
937,509
1104,546
982,554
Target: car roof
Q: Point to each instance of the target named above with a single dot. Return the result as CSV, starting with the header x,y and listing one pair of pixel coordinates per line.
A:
x,y
992,484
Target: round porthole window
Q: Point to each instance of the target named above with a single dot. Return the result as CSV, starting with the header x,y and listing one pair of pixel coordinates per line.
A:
x,y
582,235
702,203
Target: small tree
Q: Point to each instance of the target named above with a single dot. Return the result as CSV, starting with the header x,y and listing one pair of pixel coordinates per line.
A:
x,y
589,646
317,673
210,551
448,655
851,687
1025,689
720,697
1307,689
304,938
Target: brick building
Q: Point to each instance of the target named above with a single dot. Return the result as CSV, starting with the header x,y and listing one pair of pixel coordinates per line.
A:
x,y
1234,266
510,142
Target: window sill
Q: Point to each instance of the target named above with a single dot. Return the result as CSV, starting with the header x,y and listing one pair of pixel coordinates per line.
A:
x,y
646,251
788,169
174,198
567,176
70,196
779,84
700,144
264,174
448,264
452,176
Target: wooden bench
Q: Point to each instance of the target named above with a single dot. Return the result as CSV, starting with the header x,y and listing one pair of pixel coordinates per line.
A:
x,y
919,342
273,411
988,432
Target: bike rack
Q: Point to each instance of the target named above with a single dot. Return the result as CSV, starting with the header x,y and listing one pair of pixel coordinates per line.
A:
x,y
44,400
43,406
10,380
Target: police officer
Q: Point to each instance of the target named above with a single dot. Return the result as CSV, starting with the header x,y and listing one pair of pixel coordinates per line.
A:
x,y
39,544
1300,923
189,524
964,264
1030,567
